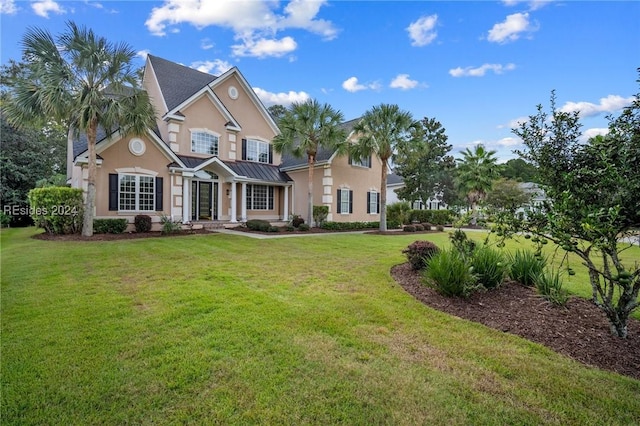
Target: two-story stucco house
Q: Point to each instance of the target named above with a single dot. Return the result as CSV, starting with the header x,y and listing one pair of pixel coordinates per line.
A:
x,y
210,159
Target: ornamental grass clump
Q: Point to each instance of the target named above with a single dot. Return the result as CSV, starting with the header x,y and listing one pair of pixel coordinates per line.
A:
x,y
490,266
526,266
450,274
419,252
549,285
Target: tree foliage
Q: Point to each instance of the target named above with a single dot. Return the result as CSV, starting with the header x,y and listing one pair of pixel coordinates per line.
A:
x,y
382,131
506,194
277,111
477,169
424,163
305,128
28,156
85,79
519,170
592,190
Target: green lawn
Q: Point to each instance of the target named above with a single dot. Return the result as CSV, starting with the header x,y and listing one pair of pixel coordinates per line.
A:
x,y
220,329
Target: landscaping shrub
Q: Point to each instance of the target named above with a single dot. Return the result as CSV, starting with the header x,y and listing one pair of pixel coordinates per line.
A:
x,y
440,228
57,209
296,221
349,226
419,227
109,226
303,227
289,228
142,222
462,243
526,266
438,217
450,274
409,228
393,224
549,285
320,214
490,266
169,226
274,229
419,252
398,213
258,225
427,226
5,220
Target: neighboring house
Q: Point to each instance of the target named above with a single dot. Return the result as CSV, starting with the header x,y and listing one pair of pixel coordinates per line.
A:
x,y
210,158
351,189
538,196
395,183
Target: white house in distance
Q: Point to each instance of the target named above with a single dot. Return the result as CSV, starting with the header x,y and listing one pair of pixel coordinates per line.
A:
x,y
395,182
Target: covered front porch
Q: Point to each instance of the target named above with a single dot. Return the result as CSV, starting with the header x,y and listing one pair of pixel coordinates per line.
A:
x,y
213,191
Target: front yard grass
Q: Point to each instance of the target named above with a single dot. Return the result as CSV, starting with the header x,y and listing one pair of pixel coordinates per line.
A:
x,y
222,329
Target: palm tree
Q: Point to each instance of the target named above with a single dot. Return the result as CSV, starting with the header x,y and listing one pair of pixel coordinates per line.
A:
x,y
476,172
305,128
382,131
85,81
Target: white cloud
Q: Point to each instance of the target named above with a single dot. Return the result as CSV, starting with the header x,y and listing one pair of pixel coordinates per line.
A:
x,y
421,32
533,4
403,82
509,141
511,28
254,22
590,133
143,53
44,7
611,103
283,98
262,48
215,67
8,7
481,70
351,85
206,44
514,123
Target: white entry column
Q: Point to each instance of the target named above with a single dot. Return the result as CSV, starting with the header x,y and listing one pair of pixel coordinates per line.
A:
x,y
285,210
243,202
234,213
186,197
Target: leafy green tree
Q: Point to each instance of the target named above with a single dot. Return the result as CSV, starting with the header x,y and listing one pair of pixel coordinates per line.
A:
x,y
476,172
507,195
519,170
85,79
305,128
592,190
424,164
277,112
382,131
28,155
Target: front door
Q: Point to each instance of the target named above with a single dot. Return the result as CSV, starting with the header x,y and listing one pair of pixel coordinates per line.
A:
x,y
203,200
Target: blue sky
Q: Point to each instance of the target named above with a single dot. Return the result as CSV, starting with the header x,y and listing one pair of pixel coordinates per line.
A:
x,y
478,67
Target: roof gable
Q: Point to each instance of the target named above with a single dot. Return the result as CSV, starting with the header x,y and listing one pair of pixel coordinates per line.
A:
x,y
177,82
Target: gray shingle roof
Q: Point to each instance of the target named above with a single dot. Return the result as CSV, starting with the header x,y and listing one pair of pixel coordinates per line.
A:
x,y
323,154
259,171
178,82
394,179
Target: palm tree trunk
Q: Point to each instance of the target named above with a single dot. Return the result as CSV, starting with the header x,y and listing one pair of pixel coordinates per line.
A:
x,y
383,196
311,162
87,222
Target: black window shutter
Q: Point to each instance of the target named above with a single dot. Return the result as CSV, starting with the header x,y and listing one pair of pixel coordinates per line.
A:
x,y
368,202
378,203
339,202
270,154
271,198
159,192
350,160
350,201
244,149
113,191
369,161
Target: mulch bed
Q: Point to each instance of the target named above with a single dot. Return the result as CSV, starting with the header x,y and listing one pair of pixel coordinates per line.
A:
x,y
116,237
579,330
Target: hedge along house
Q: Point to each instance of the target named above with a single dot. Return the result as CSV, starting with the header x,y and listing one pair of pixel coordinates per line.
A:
x,y
349,188
209,158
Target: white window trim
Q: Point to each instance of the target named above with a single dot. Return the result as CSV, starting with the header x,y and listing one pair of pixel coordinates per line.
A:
x,y
209,132
259,142
137,192
343,192
373,206
251,198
